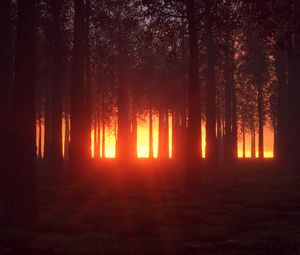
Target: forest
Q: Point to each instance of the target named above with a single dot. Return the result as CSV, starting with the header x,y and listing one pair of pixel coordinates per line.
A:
x,y
163,94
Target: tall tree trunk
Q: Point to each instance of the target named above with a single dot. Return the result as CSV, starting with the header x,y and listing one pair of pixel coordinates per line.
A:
x,y
294,99
161,138
40,155
166,134
234,122
244,135
99,134
260,123
123,122
103,129
123,143
103,138
193,132
134,132
253,146
163,149
183,132
22,203
219,132
88,81
175,134
116,140
67,135
228,100
150,131
47,125
180,122
211,141
5,98
281,120
96,135
79,151
55,159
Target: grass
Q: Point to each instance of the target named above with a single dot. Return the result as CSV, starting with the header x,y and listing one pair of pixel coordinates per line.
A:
x,y
247,210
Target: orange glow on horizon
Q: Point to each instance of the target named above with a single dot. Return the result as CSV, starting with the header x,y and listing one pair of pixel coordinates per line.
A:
x,y
268,144
110,145
143,140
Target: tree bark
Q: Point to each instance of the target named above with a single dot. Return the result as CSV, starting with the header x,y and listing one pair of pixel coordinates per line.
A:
x,y
67,135
228,101
211,141
88,81
234,122
96,136
294,100
103,129
161,133
260,123
5,99
22,202
47,125
193,132
99,134
244,135
123,134
176,134
79,151
166,134
183,133
103,139
253,146
150,131
134,152
123,122
219,132
281,120
55,159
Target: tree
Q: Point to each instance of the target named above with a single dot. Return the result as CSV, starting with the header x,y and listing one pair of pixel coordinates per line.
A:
x,y
282,26
211,140
258,71
22,204
5,96
79,151
88,79
281,120
230,16
56,155
294,96
193,144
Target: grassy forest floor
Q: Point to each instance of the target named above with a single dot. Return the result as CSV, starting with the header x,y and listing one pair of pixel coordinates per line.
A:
x,y
248,210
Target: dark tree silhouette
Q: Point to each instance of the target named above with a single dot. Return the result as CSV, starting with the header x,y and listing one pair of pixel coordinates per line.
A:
x,y
124,122
211,139
22,204
281,121
88,80
294,96
79,151
57,85
137,60
5,95
258,71
193,148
